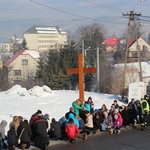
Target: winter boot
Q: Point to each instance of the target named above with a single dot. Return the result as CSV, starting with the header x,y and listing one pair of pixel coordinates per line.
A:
x,y
111,131
98,131
118,131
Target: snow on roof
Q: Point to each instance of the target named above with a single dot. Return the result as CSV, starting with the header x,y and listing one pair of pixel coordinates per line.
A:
x,y
33,53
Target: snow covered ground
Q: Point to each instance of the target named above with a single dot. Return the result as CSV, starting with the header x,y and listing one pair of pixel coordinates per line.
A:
x,y
22,102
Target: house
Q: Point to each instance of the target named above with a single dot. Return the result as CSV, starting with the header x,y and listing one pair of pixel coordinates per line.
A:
x,y
138,45
21,66
44,38
111,44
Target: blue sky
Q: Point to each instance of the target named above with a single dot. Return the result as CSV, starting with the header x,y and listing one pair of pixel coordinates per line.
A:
x,y
60,9
68,12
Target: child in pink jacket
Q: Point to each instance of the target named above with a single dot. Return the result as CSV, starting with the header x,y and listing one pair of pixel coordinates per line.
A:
x,y
117,122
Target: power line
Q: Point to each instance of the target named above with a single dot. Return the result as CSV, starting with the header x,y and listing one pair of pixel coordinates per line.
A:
x,y
146,16
106,6
144,20
72,14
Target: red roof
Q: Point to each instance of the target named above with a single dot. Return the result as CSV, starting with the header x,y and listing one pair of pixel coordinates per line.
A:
x,y
111,41
131,41
7,63
33,54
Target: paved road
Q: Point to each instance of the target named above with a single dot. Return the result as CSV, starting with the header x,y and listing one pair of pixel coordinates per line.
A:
x,y
126,140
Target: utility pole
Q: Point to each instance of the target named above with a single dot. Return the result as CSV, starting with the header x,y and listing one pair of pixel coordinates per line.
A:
x,y
97,69
132,18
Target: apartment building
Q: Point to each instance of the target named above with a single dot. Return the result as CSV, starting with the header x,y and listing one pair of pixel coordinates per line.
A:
x,y
44,38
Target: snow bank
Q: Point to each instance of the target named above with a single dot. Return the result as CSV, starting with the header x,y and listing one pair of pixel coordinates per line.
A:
x,y
35,91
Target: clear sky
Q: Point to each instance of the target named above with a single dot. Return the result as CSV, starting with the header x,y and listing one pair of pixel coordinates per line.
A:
x,y
70,12
69,9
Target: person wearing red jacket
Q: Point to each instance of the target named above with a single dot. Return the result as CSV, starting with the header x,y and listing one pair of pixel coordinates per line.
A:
x,y
71,130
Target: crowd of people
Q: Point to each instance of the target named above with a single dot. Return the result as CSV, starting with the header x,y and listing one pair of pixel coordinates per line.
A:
x,y
79,122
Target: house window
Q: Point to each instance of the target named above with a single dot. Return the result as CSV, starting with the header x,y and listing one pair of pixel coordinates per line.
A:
x,y
135,54
17,72
24,62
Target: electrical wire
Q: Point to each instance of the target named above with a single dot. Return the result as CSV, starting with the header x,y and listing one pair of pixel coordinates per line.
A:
x,y
145,16
105,6
72,14
144,20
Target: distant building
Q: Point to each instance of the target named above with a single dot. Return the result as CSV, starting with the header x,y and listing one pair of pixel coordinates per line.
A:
x,y
6,47
13,45
44,38
111,44
141,45
21,66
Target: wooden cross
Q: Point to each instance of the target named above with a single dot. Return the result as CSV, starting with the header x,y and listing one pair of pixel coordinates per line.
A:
x,y
81,70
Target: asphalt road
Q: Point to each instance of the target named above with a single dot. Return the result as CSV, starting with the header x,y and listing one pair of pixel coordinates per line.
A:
x,y
131,139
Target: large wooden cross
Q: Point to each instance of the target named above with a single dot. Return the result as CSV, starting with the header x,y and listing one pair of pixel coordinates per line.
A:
x,y
80,71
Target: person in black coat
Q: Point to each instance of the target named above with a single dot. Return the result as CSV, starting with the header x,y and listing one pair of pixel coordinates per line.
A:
x,y
71,110
55,129
25,129
125,116
41,139
12,138
132,112
97,120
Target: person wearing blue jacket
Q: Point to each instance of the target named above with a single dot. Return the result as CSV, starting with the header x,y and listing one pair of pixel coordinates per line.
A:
x,y
77,106
74,120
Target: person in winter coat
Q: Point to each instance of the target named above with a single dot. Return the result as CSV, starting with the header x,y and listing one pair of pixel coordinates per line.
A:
x,y
31,123
55,130
71,110
12,138
26,134
46,116
74,120
97,120
145,109
89,126
116,104
117,121
2,132
71,130
132,113
77,106
41,139
125,116
89,105
105,121
15,122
